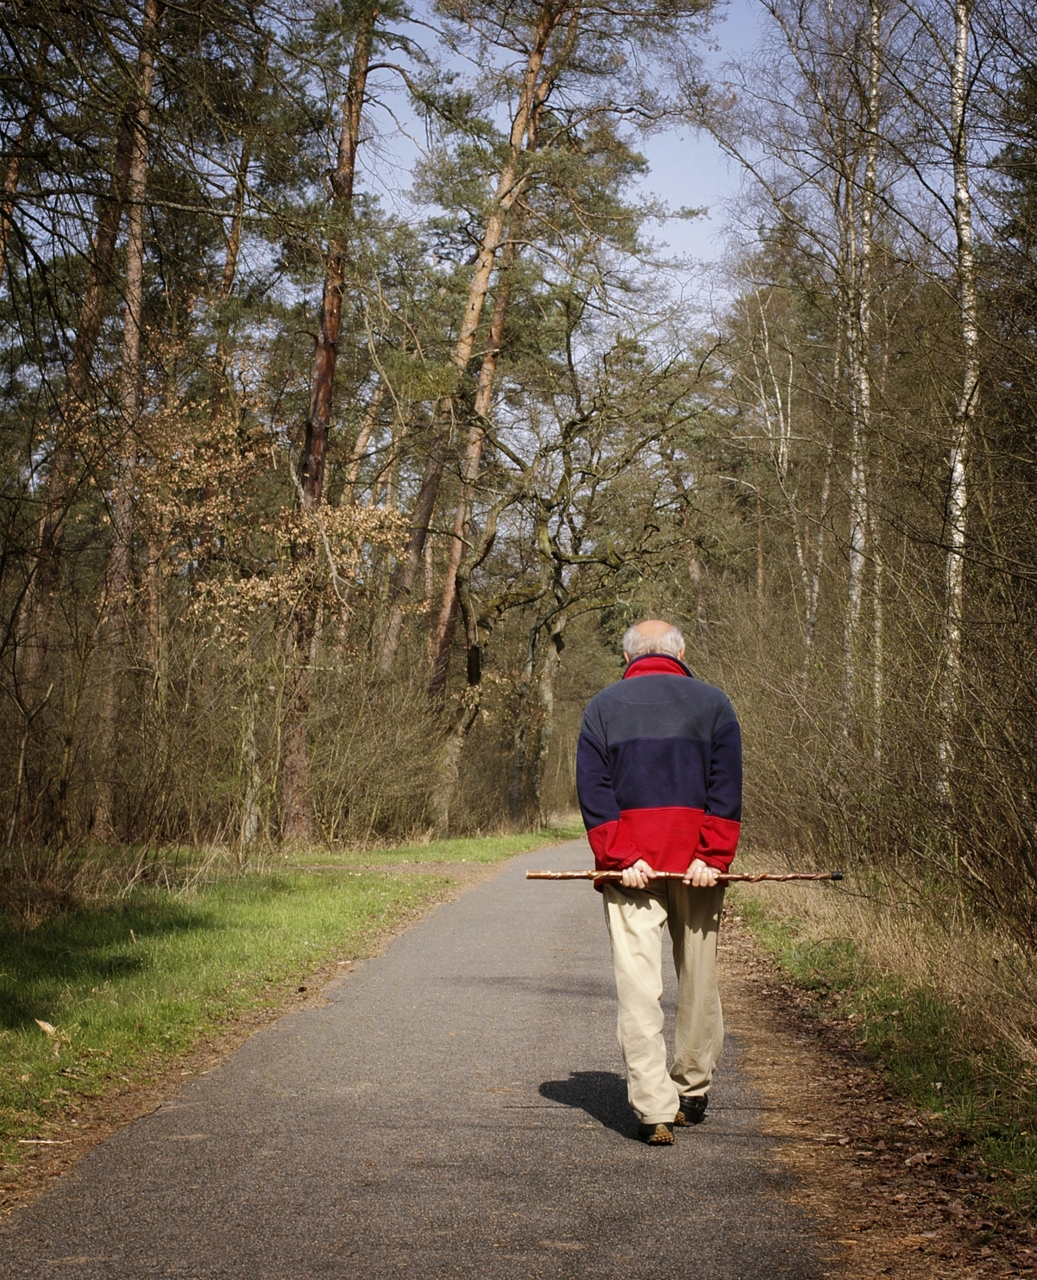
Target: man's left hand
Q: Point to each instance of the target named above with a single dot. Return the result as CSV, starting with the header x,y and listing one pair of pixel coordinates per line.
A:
x,y
700,875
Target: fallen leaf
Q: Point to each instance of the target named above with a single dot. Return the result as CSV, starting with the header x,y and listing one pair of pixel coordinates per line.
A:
x,y
46,1027
913,1242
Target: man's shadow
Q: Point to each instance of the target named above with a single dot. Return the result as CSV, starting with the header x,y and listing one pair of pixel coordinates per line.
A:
x,y
602,1094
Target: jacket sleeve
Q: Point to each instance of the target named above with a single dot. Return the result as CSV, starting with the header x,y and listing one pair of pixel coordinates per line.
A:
x,y
718,836
599,806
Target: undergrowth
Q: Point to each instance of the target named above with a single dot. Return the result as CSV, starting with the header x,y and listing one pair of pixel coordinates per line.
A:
x,y
928,1047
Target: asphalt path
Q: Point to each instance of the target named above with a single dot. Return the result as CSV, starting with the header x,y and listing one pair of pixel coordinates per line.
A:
x,y
456,1109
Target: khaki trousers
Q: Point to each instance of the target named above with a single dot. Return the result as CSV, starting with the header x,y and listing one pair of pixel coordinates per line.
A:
x,y
636,918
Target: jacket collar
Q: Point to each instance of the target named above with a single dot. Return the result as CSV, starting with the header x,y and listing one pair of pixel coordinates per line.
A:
x,y
655,664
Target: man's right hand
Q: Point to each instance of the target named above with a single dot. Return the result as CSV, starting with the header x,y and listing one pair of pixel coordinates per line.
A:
x,y
637,876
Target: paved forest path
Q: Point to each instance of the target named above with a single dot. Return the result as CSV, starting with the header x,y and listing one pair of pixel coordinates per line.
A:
x,y
456,1109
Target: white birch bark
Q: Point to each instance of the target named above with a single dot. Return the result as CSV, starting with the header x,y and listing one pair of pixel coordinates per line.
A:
x,y
858,349
961,438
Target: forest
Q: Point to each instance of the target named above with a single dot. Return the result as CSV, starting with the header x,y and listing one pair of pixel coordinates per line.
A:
x,y
325,503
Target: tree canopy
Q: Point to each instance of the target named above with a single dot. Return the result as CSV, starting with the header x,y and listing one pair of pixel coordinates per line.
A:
x,y
324,506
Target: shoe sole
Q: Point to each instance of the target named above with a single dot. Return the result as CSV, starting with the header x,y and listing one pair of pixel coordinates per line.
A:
x,y
656,1135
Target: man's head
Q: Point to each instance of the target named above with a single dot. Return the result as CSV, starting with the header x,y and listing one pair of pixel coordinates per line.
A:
x,y
652,636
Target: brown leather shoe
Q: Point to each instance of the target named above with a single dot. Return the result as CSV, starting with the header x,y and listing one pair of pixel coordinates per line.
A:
x,y
656,1135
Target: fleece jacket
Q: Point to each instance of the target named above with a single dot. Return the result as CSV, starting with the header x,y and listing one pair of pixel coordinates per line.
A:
x,y
659,770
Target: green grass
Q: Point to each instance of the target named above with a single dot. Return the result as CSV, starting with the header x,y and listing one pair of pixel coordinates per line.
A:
x,y
130,983
473,849
924,1048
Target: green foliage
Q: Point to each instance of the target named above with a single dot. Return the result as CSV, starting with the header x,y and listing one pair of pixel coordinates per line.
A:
x,y
130,985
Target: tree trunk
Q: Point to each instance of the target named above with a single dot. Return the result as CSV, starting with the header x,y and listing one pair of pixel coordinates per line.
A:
x,y
814,594
446,623
120,561
859,359
760,579
814,590
545,720
312,461
296,816
99,277
517,771
447,770
961,440
363,439
14,163
510,184
403,579
157,647
878,640
233,249
313,457
447,761
59,484
250,814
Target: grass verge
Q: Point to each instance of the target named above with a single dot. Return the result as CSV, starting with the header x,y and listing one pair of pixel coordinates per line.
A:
x,y
933,1047
110,994
479,849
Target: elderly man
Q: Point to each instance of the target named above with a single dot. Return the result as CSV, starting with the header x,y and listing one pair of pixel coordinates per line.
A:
x,y
659,777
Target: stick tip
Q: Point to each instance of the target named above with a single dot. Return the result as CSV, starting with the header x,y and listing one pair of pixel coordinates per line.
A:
x,y
836,875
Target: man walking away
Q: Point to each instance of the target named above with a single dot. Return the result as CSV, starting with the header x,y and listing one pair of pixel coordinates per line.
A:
x,y
659,778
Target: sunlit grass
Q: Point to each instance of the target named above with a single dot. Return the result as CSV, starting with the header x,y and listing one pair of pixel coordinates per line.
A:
x,y
473,849
130,982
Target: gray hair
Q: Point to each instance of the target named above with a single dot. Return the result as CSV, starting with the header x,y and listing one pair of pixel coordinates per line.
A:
x,y
636,644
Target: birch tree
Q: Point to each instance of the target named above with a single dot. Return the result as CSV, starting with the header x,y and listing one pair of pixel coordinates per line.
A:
x,y
959,459
827,168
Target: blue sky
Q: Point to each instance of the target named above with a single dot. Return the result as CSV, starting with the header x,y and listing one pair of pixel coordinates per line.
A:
x,y
688,169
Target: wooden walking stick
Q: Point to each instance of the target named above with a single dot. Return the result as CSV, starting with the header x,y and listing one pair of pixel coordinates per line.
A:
x,y
725,877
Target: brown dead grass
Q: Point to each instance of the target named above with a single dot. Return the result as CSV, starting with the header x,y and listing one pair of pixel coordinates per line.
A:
x,y
983,974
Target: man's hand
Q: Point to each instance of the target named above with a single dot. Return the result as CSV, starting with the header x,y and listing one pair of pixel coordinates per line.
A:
x,y
701,876
637,876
